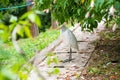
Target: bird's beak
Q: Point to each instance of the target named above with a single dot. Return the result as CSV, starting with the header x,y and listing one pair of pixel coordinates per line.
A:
x,y
59,28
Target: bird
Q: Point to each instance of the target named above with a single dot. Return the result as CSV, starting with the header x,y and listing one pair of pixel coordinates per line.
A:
x,y
69,39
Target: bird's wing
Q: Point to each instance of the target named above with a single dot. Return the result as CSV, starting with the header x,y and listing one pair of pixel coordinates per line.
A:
x,y
72,40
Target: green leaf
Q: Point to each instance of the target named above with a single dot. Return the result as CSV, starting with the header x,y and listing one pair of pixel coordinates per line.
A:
x,y
7,74
53,71
98,4
94,70
49,54
24,16
118,22
25,22
55,59
48,60
34,19
117,5
13,19
37,21
5,36
56,71
23,75
31,17
27,31
3,27
39,12
12,26
20,30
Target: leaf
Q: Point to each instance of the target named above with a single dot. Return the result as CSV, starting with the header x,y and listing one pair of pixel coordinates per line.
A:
x,y
48,60
24,16
13,19
39,12
56,70
94,70
23,75
11,27
82,1
27,31
99,3
3,53
118,22
31,17
7,74
25,22
20,30
35,19
117,5
113,77
55,59
5,36
3,27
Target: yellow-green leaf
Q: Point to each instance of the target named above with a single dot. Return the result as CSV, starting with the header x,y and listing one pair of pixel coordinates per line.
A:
x,y
48,60
82,1
34,19
11,27
56,71
13,19
20,30
24,16
27,31
3,27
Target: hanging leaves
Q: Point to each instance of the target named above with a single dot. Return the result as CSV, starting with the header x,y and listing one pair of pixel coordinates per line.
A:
x,y
118,22
22,24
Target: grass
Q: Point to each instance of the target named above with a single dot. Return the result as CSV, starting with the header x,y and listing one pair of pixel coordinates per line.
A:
x,y
11,61
30,47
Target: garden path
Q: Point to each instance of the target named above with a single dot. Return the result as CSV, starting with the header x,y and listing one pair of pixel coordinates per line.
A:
x,y
72,70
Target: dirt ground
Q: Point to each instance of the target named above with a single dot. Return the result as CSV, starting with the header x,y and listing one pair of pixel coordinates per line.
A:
x,y
105,61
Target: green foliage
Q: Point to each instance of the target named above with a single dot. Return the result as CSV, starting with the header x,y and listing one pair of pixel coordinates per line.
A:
x,y
47,37
76,10
43,4
94,70
9,76
22,25
11,61
117,5
4,56
118,21
30,46
52,58
54,71
10,65
32,16
9,3
45,21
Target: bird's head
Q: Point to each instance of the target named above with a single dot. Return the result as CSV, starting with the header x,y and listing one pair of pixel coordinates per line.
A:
x,y
63,27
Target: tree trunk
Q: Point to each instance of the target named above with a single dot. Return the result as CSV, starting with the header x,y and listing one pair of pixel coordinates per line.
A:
x,y
54,23
33,28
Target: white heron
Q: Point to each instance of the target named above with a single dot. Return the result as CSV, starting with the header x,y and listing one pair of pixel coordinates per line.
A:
x,y
69,39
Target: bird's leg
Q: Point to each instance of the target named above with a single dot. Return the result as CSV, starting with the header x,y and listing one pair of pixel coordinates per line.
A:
x,y
70,55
